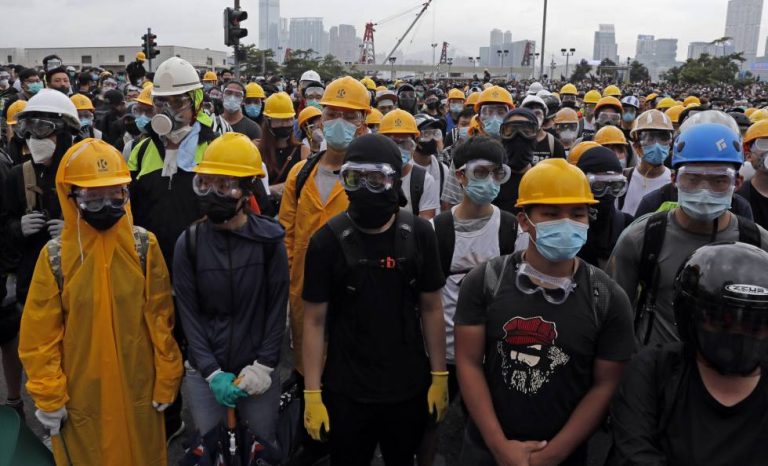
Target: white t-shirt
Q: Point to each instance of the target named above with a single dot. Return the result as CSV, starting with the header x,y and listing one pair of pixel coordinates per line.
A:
x,y
471,248
434,170
639,186
430,198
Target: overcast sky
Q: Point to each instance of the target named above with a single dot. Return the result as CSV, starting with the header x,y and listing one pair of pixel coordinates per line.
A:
x,y
464,24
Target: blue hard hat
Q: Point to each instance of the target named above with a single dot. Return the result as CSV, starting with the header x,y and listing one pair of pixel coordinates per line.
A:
x,y
708,142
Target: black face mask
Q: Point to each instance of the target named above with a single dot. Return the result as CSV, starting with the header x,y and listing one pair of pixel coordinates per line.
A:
x,y
519,152
373,210
568,104
63,90
433,105
219,209
427,148
282,132
732,353
103,219
407,104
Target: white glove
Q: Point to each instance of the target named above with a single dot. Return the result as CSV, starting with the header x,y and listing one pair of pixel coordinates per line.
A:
x,y
255,379
32,223
55,227
160,407
52,420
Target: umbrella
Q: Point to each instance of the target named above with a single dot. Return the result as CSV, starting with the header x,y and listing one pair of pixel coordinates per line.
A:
x,y
18,445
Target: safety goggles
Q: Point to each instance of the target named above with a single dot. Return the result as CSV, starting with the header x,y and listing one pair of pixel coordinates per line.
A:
x,y
489,111
222,186
650,137
554,289
375,177
431,100
352,116
176,103
609,119
53,64
138,111
569,98
526,129
406,95
385,106
281,122
234,93
403,142
38,128
432,134
85,114
760,146
480,170
540,114
718,180
566,127
95,199
612,184
5,76
314,92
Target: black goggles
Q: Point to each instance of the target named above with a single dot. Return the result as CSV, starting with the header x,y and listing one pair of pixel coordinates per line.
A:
x,y
526,129
39,128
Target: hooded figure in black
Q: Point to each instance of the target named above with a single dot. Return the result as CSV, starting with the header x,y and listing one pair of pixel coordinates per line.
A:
x,y
606,222
519,151
407,100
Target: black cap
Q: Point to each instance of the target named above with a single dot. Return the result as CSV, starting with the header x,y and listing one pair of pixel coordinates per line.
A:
x,y
375,148
114,97
599,160
522,112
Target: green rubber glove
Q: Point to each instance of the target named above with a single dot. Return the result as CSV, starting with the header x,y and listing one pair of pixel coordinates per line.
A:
x,y
223,388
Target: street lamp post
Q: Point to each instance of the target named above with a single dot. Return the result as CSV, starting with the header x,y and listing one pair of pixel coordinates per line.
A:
x,y
552,67
434,49
567,53
392,62
502,54
543,37
450,62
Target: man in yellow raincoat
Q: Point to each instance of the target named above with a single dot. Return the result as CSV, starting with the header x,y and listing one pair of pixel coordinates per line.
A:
x,y
96,337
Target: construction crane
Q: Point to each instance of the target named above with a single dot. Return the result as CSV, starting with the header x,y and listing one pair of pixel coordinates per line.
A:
x,y
444,54
367,53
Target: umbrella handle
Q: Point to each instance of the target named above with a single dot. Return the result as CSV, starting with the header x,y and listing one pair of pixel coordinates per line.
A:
x,y
231,418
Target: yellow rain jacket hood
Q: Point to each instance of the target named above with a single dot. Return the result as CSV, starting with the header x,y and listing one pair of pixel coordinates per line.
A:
x,y
102,345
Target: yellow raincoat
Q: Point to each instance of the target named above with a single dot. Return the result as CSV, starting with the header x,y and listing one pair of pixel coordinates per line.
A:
x,y
301,220
103,346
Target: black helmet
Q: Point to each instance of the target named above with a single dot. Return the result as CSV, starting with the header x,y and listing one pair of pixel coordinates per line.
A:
x,y
721,305
553,105
741,119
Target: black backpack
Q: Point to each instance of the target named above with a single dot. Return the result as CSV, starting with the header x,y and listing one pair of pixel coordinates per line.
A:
x,y
446,238
418,175
648,277
305,171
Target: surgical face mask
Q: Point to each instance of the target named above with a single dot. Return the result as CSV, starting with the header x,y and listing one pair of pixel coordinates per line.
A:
x,y
103,219
655,154
482,191
207,87
34,88
141,122
405,155
560,240
463,133
338,133
492,126
232,103
42,149
3,83
86,122
567,135
457,108
703,204
253,110
732,353
628,116
314,103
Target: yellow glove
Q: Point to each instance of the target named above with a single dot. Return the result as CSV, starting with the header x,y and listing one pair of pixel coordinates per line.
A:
x,y
437,397
316,416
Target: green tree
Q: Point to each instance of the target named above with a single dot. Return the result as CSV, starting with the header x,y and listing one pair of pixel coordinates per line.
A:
x,y
638,72
672,75
581,72
255,61
707,70
330,68
299,62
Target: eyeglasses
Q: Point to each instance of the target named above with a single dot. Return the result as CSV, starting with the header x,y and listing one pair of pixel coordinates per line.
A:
x,y
176,103
612,184
488,111
609,119
95,199
555,290
352,116
569,98
526,129
376,178
718,180
648,138
39,128
234,93
480,170
433,134
222,186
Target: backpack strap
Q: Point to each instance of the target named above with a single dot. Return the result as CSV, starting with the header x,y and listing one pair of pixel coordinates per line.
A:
x,y
551,141
599,284
304,172
346,233
406,251
141,242
749,232
628,174
31,190
507,233
418,175
191,245
446,239
653,240
442,176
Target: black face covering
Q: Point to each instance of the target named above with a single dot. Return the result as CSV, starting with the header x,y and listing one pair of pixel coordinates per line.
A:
x,y
569,104
519,152
219,209
732,353
427,148
373,210
407,104
282,132
433,105
103,219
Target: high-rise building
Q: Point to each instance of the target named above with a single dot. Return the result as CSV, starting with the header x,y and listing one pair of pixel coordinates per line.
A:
x,y
344,43
308,33
508,37
269,25
697,49
605,44
497,38
645,48
665,52
743,25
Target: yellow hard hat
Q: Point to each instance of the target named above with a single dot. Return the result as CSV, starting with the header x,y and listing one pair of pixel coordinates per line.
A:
x,y
398,122
347,92
651,96
612,91
231,154
610,135
474,126
368,83
566,115
14,109
757,130
691,99
569,89
674,113
456,94
374,118
554,181
210,76
494,95
665,103
609,102
592,97
145,97
140,56
93,163
759,115
472,99
254,91
146,84
381,88
578,150
748,112
279,105
82,102
307,114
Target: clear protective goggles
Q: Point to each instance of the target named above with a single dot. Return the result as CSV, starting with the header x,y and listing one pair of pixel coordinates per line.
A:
x,y
375,177
95,199
540,114
385,106
650,137
560,127
352,116
614,184
492,110
554,289
432,134
314,92
406,95
140,110
39,128
234,93
281,122
480,170
526,129
175,103
609,119
404,142
760,146
222,186
53,63
85,114
568,98
716,179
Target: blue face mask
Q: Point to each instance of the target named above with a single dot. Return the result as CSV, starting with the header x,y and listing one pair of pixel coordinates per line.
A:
x,y
142,122
457,108
628,117
492,126
232,104
704,205
655,154
253,110
406,156
207,87
86,122
34,88
463,132
482,191
314,103
338,133
560,240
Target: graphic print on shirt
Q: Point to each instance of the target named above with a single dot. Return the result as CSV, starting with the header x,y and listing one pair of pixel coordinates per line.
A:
x,y
529,356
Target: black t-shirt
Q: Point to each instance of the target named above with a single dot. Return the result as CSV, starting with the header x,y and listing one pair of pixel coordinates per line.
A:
x,y
542,152
286,158
758,202
507,197
539,356
703,431
247,127
375,346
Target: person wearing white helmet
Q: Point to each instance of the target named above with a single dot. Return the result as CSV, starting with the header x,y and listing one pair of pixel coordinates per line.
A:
x,y
534,88
631,106
547,146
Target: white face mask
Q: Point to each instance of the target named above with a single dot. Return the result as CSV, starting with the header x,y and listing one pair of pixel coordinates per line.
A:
x,y
178,135
42,149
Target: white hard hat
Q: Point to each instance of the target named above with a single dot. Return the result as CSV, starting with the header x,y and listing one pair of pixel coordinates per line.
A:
x,y
631,100
534,88
54,102
311,76
533,99
175,76
543,93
